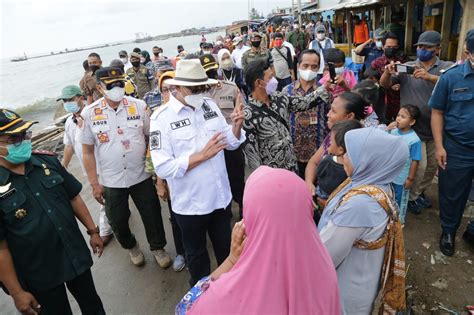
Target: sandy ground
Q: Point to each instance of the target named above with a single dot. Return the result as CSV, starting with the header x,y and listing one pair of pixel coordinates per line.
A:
x,y
126,289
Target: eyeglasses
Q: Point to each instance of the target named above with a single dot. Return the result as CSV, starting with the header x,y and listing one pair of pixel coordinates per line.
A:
x,y
17,139
167,90
111,85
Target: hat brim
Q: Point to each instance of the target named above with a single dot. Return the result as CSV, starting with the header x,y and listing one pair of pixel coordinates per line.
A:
x,y
427,44
17,128
179,82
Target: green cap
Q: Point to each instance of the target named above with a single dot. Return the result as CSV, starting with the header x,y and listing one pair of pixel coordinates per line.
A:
x,y
69,92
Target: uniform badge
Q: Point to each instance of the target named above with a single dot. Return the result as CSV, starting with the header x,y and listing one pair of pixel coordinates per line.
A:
x,y
98,111
125,102
155,140
208,112
120,131
103,137
47,172
20,213
4,189
10,115
132,110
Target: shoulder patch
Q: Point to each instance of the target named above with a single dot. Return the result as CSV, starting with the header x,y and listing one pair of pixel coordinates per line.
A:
x,y
158,111
43,152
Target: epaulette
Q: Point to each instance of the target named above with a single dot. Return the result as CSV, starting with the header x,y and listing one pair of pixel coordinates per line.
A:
x,y
158,111
446,70
43,152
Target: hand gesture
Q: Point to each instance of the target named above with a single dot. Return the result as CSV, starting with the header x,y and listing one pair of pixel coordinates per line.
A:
x,y
26,303
396,87
391,67
216,144
441,157
341,81
237,115
391,126
98,193
238,242
421,73
96,244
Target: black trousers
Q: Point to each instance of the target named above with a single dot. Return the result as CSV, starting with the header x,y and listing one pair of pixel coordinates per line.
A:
x,y
194,229
178,239
235,164
145,198
55,300
302,169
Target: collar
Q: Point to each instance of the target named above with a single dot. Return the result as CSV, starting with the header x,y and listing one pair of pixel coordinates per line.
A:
x,y
467,70
5,172
175,104
298,84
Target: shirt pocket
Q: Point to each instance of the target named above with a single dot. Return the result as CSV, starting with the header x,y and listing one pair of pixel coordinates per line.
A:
x,y
14,209
459,101
135,124
53,185
183,142
100,128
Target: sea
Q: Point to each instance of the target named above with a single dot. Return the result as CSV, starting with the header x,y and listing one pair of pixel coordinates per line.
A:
x,y
31,87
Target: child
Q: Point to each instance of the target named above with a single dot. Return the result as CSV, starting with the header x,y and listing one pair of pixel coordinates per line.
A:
x,y
404,123
345,78
330,171
370,91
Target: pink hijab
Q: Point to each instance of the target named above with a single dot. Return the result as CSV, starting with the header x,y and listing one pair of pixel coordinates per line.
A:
x,y
284,267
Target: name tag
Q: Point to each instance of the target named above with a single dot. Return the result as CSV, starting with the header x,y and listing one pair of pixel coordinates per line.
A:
x,y
133,117
99,123
460,90
180,124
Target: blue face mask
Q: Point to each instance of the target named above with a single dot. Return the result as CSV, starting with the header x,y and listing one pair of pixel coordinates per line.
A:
x,y
71,107
19,153
424,55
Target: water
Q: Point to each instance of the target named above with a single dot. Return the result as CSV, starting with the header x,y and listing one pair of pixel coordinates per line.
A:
x,y
31,87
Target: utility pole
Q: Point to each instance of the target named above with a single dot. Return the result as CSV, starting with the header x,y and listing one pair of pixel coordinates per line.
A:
x,y
299,12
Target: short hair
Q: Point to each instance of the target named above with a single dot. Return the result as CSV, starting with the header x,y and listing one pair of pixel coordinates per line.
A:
x,y
85,65
155,47
340,129
308,51
137,50
255,70
412,110
390,35
334,55
95,55
371,72
368,90
354,103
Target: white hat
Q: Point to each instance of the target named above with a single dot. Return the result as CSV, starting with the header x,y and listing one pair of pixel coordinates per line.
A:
x,y
237,40
189,72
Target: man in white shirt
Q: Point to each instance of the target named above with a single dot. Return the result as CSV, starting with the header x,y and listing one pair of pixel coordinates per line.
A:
x,y
187,138
239,51
114,137
321,44
124,58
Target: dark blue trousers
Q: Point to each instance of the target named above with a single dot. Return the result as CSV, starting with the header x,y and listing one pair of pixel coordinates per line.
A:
x,y
454,186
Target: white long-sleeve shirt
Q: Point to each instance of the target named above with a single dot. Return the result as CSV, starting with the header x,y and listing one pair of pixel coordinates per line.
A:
x,y
176,132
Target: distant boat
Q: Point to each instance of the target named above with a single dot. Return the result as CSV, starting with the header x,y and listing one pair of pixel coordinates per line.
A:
x,y
16,59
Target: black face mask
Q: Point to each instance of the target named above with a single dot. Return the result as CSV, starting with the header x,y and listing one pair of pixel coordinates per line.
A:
x,y
256,44
136,63
94,68
156,53
390,52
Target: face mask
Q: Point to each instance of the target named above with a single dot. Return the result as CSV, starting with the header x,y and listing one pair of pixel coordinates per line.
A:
x,y
155,53
124,60
296,26
18,154
307,75
206,52
339,70
160,54
320,36
424,55
194,100
142,60
94,68
136,63
115,94
256,44
271,86
226,64
71,107
390,52
378,44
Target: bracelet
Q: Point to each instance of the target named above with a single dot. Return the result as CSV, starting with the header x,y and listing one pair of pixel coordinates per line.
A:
x,y
93,231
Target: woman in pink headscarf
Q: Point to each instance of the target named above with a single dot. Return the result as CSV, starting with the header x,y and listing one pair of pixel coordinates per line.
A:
x,y
283,267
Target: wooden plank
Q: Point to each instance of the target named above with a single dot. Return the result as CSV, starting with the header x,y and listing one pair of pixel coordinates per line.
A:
x,y
409,26
448,10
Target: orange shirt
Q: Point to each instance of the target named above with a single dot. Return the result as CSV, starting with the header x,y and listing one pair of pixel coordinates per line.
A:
x,y
361,33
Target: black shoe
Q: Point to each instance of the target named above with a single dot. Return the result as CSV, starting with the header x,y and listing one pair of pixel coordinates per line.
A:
x,y
469,238
424,201
446,244
414,207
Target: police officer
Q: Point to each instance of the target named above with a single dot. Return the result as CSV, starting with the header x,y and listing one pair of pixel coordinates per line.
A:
x,y
41,246
115,133
452,122
187,137
257,51
140,75
227,96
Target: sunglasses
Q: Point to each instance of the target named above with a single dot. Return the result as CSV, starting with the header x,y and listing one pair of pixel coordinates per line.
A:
x,y
17,139
111,85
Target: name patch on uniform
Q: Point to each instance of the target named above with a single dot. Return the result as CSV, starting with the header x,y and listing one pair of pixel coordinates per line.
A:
x,y
99,123
155,140
137,117
208,112
180,124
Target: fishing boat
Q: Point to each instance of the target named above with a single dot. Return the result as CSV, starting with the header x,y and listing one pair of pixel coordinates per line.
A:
x,y
22,58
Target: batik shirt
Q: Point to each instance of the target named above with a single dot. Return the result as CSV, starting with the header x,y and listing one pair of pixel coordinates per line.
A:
x,y
268,138
308,128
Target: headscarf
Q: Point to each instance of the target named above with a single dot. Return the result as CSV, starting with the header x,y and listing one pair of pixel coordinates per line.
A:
x,y
220,55
377,159
146,55
284,268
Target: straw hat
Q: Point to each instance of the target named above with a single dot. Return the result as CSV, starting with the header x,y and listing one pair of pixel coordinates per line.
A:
x,y
190,73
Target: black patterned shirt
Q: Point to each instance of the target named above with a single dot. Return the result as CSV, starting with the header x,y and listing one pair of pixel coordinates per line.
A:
x,y
268,138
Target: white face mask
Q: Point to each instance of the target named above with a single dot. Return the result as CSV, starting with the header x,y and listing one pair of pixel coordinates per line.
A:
x,y
307,75
124,60
339,70
205,52
226,64
194,100
115,94
320,36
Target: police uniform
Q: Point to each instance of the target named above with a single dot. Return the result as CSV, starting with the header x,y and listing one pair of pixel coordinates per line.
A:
x,y
38,222
200,195
454,95
251,55
119,140
143,79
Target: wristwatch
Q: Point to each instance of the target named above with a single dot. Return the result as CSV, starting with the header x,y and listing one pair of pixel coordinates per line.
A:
x,y
93,231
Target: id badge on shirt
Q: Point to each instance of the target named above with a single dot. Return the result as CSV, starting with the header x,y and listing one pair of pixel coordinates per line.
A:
x,y
126,146
313,118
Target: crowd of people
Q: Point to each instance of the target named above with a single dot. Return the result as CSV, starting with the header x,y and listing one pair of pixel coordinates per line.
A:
x,y
337,159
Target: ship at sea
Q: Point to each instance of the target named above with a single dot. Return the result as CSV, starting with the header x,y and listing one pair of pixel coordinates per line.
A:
x,y
21,58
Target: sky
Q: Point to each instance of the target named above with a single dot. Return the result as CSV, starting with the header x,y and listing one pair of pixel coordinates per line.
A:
x,y
37,26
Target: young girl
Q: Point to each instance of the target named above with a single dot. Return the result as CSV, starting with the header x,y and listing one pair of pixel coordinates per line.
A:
x,y
345,79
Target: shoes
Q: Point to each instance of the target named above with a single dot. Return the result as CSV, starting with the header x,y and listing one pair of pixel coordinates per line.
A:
x,y
469,238
106,239
136,255
162,258
414,207
179,263
424,201
446,244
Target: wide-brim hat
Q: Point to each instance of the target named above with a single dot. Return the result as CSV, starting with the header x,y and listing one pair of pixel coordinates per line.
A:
x,y
69,92
11,123
190,73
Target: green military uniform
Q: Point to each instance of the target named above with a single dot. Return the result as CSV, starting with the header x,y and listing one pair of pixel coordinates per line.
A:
x,y
251,55
38,222
143,79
